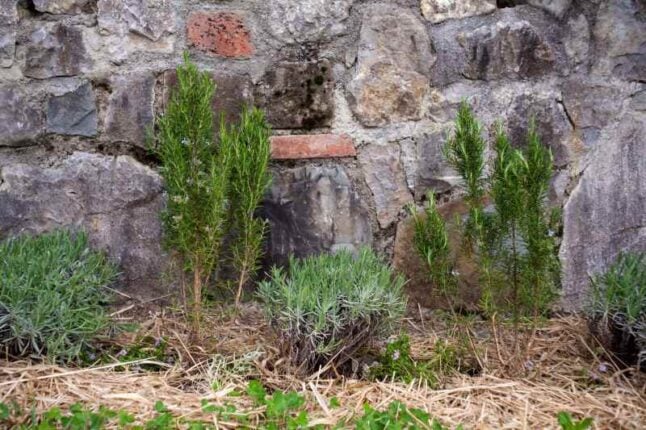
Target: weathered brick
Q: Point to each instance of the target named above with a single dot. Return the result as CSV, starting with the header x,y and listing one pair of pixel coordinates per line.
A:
x,y
312,146
220,33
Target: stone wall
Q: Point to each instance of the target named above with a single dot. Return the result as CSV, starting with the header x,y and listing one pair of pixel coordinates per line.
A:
x,y
360,94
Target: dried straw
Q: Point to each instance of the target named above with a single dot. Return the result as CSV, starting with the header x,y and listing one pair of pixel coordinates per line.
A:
x,y
560,371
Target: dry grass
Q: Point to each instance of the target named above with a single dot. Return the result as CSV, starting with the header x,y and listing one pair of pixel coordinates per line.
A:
x,y
559,371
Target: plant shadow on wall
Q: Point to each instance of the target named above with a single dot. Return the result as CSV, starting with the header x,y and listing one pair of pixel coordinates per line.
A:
x,y
512,242
214,186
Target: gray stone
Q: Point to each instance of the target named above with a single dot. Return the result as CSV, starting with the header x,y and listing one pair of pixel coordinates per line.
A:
x,y
130,108
314,209
620,39
506,49
577,43
21,118
591,104
394,59
116,200
151,19
386,179
552,124
55,50
433,172
555,7
73,113
293,21
437,11
233,92
8,21
606,212
59,6
297,95
638,101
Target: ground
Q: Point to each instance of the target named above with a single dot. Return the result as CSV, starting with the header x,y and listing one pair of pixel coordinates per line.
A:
x,y
562,370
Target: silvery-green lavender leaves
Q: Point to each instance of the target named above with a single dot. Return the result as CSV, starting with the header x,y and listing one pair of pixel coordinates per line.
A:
x,y
52,292
327,307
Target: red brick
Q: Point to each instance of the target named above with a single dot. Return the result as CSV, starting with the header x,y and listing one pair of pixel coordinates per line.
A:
x,y
219,33
312,146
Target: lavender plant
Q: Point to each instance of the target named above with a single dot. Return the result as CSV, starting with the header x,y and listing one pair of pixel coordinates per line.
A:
x,y
325,308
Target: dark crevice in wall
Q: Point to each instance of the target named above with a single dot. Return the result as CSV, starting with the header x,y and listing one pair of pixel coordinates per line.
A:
x,y
509,3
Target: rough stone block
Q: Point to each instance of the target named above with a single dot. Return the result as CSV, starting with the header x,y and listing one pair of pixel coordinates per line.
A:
x,y
55,50
386,179
437,11
294,21
555,7
233,92
116,200
312,146
620,40
314,209
73,113
151,19
220,33
59,6
21,118
552,124
425,165
394,59
507,49
297,95
8,22
130,108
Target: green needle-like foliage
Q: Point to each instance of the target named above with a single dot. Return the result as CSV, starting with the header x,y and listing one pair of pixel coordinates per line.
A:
x,y
465,152
248,145
196,174
52,292
619,302
327,307
519,238
432,244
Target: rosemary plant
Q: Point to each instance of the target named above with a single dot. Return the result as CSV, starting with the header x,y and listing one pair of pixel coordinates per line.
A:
x,y
248,145
196,174
519,238
432,245
465,151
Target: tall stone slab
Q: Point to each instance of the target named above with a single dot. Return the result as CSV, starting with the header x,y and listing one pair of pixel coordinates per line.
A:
x,y
606,213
